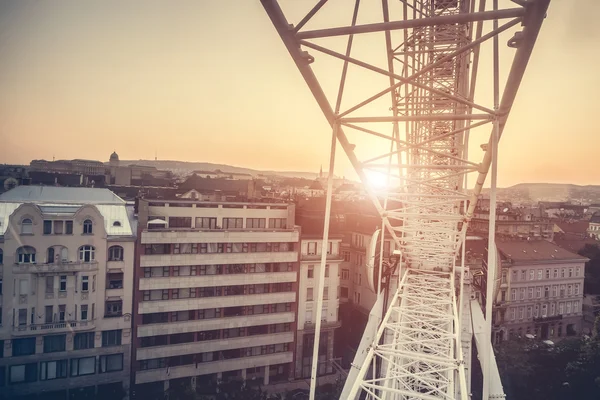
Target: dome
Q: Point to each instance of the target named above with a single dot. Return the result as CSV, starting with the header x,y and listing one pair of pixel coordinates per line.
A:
x,y
114,156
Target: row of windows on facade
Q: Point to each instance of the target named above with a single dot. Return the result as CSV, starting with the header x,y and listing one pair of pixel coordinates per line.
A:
x,y
549,291
60,227
234,290
226,223
217,269
210,313
60,254
553,330
55,343
113,281
190,337
310,294
548,273
312,248
58,369
545,310
208,248
112,308
199,358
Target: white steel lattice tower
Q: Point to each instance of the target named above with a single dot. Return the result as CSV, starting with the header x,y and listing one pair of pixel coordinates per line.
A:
x,y
422,120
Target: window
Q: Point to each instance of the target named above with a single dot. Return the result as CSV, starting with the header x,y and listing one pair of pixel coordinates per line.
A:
x,y
22,316
84,312
114,281
577,270
513,294
561,308
114,308
87,253
277,223
156,249
58,227
62,309
521,312
555,273
85,283
326,271
25,255
325,293
552,309
117,223
513,313
206,223
23,373
180,222
547,274
309,294
575,306
538,292
50,284
54,343
540,273
115,253
87,227
570,272
312,248
53,370
544,310
48,314
311,272
554,290
83,341
69,227
562,272
522,294
531,275
255,223
62,283
27,227
1,257
83,366
569,290
233,223
530,293
111,338
111,363
345,274
47,227
577,288
23,346
547,292
529,312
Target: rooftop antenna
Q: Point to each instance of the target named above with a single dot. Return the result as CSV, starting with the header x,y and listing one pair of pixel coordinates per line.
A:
x,y
155,155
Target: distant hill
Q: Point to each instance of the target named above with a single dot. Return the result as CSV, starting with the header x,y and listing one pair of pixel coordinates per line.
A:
x,y
534,192
204,166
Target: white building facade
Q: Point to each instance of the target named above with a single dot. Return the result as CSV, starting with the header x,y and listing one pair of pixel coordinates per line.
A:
x,y
215,294
67,274
310,264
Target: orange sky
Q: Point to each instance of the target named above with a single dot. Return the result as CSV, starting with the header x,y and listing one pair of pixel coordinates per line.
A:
x,y
210,81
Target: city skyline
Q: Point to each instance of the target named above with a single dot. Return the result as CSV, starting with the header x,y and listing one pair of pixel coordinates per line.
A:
x,y
139,81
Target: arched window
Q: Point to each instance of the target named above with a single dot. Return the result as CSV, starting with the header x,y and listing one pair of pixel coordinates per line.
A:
x,y
117,223
26,254
115,253
27,226
87,226
87,253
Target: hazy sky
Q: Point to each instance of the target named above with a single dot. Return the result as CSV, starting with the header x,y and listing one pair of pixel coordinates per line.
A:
x,y
209,80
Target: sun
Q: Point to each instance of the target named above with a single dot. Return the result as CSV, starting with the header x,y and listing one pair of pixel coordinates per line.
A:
x,y
377,180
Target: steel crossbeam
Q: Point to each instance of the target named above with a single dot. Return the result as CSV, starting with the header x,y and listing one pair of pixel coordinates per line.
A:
x,y
432,64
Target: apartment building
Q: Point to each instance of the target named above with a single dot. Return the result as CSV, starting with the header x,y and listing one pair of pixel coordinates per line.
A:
x,y
540,292
66,264
310,265
215,294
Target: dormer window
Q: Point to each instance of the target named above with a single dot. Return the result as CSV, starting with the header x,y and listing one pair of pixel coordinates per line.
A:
x,y
26,226
117,223
87,227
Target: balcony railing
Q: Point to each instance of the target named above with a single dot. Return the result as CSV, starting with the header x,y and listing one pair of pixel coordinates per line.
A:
x,y
310,326
52,327
72,266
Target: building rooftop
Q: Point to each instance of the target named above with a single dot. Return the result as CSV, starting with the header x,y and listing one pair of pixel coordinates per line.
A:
x,y
535,250
53,194
118,219
595,218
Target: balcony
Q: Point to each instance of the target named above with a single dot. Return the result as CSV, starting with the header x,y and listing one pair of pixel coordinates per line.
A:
x,y
159,260
234,364
54,327
188,235
75,266
310,326
148,307
548,319
216,280
214,345
214,323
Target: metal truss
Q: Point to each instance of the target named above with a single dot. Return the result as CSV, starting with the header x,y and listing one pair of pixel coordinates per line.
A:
x,y
432,64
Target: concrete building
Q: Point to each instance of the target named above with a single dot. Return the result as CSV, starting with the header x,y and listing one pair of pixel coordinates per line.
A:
x,y
67,267
310,264
215,299
540,291
593,229
512,222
